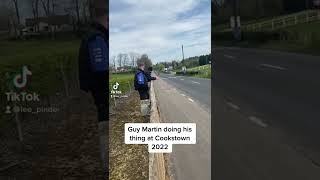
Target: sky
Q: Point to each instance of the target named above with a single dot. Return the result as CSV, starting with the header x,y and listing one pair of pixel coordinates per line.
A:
x,y
158,28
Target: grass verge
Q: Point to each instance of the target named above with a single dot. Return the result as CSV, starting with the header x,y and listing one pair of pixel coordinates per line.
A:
x,y
200,71
127,161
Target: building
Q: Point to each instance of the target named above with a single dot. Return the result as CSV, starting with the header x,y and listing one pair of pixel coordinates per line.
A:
x,y
55,23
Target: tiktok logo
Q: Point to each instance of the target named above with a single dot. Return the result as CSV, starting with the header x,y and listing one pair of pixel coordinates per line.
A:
x,y
20,80
116,86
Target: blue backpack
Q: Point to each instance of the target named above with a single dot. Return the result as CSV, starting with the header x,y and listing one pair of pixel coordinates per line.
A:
x,y
140,81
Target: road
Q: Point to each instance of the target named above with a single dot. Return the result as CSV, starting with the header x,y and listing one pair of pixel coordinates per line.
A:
x,y
187,100
266,115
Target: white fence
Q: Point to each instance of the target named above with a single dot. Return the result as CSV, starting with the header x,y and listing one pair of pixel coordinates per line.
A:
x,y
284,21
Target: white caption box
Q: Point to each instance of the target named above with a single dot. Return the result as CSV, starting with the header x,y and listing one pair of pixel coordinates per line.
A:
x,y
160,136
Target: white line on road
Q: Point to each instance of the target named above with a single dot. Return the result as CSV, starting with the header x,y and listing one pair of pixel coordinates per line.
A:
x,y
233,106
229,56
182,79
195,82
190,99
257,121
274,67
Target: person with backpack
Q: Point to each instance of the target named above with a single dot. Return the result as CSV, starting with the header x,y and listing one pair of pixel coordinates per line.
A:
x,y
141,80
93,72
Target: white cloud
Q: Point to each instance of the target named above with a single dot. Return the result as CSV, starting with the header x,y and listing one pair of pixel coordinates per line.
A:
x,y
159,27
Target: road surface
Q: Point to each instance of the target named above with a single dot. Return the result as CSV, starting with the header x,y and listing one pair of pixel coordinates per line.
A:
x,y
187,100
266,115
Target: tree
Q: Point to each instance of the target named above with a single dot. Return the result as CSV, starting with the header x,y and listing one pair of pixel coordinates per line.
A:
x,y
133,58
120,59
7,19
125,59
200,61
17,23
46,7
77,11
174,64
161,67
85,10
16,7
145,59
113,61
35,11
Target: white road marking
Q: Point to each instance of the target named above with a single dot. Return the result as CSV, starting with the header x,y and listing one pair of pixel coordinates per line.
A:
x,y
182,79
257,121
233,106
229,56
195,82
274,67
190,99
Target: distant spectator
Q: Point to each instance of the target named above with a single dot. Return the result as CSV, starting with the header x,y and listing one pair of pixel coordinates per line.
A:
x,y
148,74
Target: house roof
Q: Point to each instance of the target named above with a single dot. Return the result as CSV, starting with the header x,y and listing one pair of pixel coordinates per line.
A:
x,y
52,20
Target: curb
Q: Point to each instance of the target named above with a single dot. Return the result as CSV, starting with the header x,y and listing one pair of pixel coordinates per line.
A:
x,y
157,169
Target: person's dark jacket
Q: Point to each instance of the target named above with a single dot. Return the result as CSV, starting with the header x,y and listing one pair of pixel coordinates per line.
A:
x,y
149,77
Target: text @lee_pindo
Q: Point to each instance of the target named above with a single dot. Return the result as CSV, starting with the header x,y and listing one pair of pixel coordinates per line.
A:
x,y
16,97
160,136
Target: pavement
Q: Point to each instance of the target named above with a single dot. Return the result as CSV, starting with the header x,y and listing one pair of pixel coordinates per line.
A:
x,y
266,118
187,100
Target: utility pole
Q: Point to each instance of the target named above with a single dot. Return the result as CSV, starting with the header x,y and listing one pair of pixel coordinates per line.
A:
x,y
182,54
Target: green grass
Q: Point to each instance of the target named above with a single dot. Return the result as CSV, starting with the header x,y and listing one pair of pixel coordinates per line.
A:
x,y
44,58
303,38
204,71
124,79
307,27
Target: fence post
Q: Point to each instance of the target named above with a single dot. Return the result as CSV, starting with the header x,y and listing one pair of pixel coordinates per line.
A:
x,y
16,118
16,114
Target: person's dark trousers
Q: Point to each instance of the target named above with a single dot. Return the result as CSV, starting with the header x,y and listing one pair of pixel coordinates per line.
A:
x,y
101,99
144,94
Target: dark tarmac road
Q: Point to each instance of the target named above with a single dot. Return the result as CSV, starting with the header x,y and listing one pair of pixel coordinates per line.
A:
x,y
266,115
